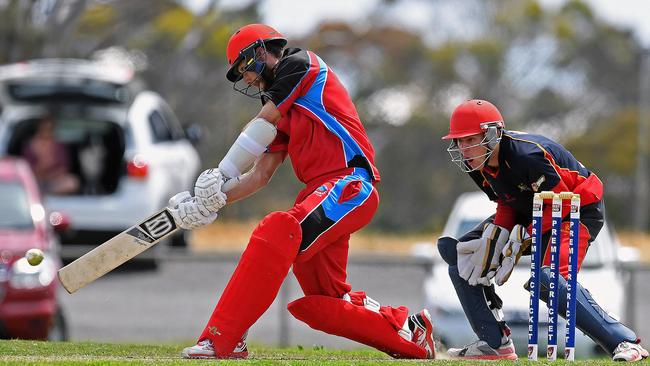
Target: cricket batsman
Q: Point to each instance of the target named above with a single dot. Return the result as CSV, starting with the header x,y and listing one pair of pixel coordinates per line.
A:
x,y
306,114
510,167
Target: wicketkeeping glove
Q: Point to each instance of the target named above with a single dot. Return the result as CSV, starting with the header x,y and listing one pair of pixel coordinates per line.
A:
x,y
207,191
518,243
186,213
479,259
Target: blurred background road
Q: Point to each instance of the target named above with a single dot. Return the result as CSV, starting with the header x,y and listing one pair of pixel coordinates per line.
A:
x,y
172,304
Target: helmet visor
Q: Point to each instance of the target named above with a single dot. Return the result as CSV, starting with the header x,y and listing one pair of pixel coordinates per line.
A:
x,y
460,155
248,55
253,58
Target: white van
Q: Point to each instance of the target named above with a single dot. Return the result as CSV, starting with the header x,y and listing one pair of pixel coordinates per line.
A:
x,y
125,146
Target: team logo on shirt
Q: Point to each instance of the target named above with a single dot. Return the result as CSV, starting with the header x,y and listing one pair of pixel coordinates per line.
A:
x,y
522,187
535,185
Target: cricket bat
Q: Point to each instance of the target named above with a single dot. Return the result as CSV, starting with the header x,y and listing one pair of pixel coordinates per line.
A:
x,y
117,250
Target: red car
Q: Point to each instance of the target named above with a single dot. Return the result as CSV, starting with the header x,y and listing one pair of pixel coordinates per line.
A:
x,y
28,294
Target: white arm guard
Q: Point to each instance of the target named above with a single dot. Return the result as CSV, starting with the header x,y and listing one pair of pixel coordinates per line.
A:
x,y
250,144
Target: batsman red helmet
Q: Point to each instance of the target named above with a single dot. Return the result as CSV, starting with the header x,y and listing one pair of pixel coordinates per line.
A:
x,y
472,117
243,39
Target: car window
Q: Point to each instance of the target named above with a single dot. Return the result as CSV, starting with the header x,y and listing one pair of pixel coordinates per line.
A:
x,y
15,213
159,128
91,150
172,122
129,141
68,90
465,226
75,130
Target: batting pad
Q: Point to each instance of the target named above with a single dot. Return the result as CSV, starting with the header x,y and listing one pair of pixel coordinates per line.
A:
x,y
272,248
339,317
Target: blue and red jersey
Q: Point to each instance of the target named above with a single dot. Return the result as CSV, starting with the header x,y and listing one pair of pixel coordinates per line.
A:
x,y
528,164
320,127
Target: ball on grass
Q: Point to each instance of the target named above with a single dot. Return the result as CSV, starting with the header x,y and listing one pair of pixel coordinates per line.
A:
x,y
34,256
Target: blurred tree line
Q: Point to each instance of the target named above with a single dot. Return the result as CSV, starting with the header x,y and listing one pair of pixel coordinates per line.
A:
x,y
560,72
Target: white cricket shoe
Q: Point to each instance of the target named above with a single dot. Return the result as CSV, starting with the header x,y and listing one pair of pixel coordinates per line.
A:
x,y
480,350
204,349
629,352
422,333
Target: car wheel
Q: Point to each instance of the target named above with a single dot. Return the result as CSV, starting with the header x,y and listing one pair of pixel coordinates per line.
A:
x,y
59,330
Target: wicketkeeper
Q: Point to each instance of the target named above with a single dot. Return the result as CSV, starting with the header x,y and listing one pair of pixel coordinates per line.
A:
x,y
510,167
306,114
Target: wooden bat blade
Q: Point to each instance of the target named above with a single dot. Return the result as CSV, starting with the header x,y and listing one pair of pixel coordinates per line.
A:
x,y
117,250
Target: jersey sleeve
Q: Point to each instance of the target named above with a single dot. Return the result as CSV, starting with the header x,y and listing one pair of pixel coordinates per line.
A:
x,y
505,216
280,143
289,82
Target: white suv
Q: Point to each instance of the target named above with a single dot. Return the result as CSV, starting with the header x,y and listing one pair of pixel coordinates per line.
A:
x,y
598,274
126,147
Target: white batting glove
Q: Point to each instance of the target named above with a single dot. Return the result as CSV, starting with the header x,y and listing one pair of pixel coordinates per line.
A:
x,y
207,191
479,259
186,213
519,241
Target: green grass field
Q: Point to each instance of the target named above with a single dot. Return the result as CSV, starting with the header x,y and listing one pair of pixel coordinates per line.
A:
x,y
16,352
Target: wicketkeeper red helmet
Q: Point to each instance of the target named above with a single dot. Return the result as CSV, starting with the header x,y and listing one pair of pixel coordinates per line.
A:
x,y
243,42
473,117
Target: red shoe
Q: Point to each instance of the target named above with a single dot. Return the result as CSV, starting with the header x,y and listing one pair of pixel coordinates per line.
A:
x,y
241,350
423,332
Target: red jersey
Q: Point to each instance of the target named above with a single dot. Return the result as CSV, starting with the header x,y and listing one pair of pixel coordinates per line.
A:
x,y
320,127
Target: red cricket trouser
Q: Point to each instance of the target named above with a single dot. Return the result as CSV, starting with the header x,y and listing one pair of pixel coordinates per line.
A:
x,y
583,244
326,216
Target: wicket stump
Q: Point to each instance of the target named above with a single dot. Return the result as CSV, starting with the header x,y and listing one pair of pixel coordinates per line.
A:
x,y
553,292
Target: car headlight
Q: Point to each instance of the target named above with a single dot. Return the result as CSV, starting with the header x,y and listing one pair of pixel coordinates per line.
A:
x,y
25,276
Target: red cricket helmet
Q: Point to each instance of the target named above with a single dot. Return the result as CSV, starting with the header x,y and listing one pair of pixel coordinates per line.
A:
x,y
472,117
243,39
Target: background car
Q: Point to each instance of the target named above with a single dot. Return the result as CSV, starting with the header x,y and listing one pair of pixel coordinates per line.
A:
x,y
126,146
29,307
598,274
